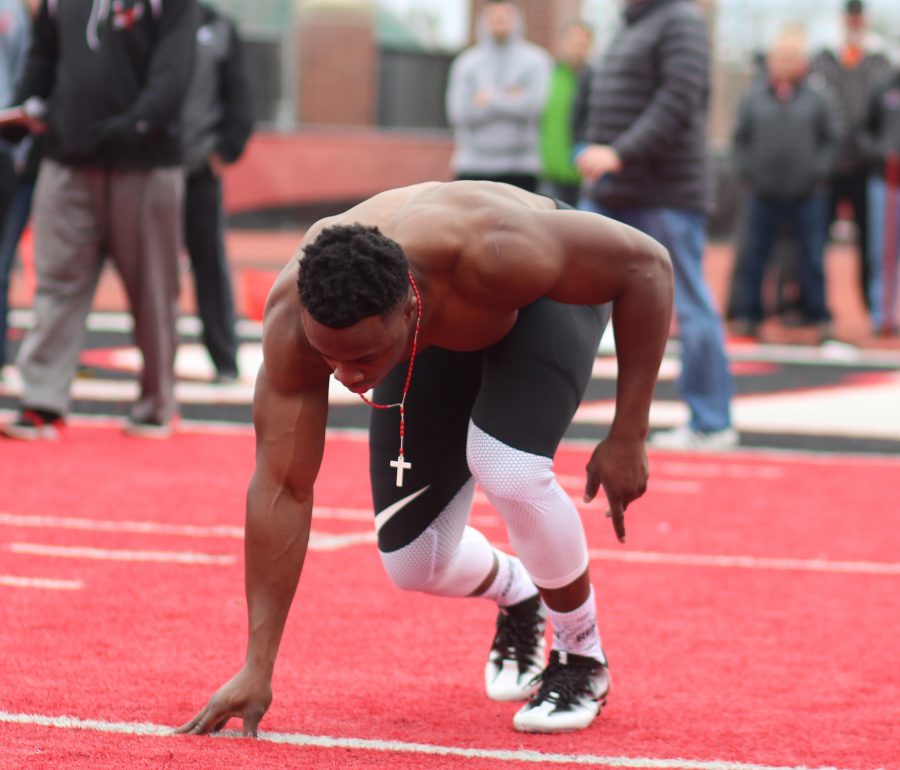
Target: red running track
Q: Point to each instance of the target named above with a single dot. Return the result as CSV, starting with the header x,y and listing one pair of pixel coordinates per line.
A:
x,y
751,622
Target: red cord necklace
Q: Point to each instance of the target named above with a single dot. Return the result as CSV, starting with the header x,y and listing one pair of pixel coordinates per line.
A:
x,y
400,464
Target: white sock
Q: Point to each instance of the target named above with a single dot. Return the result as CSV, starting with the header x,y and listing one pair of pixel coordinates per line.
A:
x,y
577,631
512,583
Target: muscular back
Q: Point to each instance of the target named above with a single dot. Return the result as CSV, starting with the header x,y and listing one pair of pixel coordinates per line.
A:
x,y
479,251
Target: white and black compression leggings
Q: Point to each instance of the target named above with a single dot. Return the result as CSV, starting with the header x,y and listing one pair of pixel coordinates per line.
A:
x,y
495,416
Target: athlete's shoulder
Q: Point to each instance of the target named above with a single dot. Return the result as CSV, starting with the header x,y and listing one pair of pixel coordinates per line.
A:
x,y
291,363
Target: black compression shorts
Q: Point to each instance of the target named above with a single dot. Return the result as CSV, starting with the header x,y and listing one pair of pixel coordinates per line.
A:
x,y
523,391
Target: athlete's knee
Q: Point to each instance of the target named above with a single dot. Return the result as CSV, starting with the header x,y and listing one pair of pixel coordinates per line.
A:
x,y
505,472
429,566
412,567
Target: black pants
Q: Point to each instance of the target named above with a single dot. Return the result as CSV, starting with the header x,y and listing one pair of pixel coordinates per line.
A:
x,y
204,233
8,183
523,391
853,187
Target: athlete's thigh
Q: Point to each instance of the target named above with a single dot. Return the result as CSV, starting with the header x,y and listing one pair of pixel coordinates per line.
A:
x,y
534,379
438,407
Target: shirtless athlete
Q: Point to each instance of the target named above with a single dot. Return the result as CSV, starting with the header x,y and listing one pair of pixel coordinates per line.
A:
x,y
479,308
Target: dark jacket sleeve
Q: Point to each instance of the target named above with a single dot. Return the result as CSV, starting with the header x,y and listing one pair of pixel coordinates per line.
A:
x,y
237,99
684,72
580,106
869,135
169,73
39,75
742,136
829,132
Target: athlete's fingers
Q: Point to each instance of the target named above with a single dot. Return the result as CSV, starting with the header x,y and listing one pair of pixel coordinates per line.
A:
x,y
251,722
191,723
617,514
209,721
592,484
221,723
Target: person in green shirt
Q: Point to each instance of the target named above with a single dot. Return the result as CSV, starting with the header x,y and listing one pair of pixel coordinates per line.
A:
x,y
560,179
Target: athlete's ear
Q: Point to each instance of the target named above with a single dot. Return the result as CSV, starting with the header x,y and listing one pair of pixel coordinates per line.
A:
x,y
411,307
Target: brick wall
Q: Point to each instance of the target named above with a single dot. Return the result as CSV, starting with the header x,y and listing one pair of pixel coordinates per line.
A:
x,y
337,66
337,56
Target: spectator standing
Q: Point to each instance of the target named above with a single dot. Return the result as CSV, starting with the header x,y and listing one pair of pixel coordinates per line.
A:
x,y
640,121
217,122
560,179
879,141
495,95
785,140
15,36
852,71
110,183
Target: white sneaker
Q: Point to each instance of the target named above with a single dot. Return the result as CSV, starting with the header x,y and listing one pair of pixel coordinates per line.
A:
x,y
517,654
573,690
686,438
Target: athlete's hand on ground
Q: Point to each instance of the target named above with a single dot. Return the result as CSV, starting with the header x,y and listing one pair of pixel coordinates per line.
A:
x,y
620,465
247,696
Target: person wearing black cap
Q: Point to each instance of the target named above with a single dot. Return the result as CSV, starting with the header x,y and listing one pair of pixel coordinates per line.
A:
x,y
852,70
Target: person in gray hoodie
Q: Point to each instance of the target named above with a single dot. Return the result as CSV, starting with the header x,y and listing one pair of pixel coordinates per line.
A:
x,y
495,95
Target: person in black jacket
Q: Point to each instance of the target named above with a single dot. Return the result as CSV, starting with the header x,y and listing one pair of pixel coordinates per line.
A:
x,y
879,142
217,122
852,69
106,81
786,139
640,125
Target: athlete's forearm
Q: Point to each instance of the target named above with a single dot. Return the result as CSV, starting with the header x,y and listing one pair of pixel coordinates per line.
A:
x,y
641,316
275,543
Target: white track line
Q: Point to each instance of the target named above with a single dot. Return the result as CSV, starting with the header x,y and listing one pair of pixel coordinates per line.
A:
x,y
748,562
328,541
122,322
14,581
708,470
670,486
320,541
106,554
187,530
138,527
404,747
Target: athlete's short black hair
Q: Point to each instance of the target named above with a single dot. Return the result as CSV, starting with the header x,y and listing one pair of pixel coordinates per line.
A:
x,y
351,272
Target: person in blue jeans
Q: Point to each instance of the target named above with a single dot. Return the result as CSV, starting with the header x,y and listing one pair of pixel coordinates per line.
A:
x,y
18,213
639,122
15,38
879,140
786,139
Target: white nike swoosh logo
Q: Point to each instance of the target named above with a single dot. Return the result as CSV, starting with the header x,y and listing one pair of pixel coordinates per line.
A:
x,y
383,517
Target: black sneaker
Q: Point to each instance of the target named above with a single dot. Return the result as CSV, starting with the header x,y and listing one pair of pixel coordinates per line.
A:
x,y
572,690
226,377
148,428
517,654
35,425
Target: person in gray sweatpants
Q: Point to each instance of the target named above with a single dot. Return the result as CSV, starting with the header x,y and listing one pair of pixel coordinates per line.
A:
x,y
110,185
